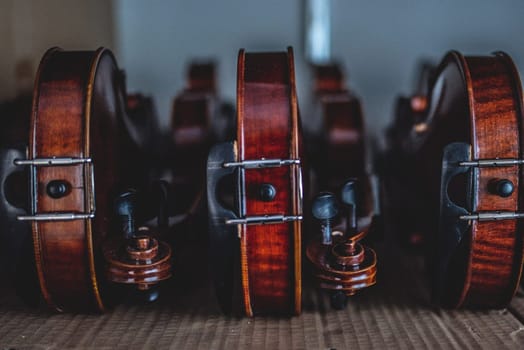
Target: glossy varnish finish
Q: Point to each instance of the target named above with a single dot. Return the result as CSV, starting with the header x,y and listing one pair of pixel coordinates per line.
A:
x,y
76,99
495,99
477,100
268,127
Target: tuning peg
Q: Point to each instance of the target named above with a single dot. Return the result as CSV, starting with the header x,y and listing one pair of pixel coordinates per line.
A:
x,y
348,195
125,207
325,208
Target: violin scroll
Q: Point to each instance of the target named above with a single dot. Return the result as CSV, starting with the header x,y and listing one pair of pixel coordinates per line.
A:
x,y
342,265
141,259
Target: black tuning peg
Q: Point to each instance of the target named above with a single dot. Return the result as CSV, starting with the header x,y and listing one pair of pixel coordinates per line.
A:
x,y
125,208
325,208
348,195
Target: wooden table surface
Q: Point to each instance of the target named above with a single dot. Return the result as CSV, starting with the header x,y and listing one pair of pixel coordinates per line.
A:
x,y
395,313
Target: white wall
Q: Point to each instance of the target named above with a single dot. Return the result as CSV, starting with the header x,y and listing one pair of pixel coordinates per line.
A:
x,y
379,41
29,27
156,39
382,41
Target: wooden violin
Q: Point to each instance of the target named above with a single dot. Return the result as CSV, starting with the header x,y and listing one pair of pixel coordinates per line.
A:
x,y
140,136
256,243
73,160
201,76
340,151
341,263
328,78
409,118
192,134
467,167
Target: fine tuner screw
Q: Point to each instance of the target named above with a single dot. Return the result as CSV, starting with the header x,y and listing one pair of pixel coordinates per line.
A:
x,y
325,208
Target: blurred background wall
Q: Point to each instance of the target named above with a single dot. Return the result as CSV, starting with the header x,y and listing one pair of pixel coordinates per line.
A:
x,y
378,41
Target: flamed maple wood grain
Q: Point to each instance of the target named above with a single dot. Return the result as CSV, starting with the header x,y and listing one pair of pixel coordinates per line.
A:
x,y
268,128
477,100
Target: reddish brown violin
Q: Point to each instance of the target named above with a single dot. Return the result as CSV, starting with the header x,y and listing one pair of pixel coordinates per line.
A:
x,y
409,118
328,78
263,227
467,166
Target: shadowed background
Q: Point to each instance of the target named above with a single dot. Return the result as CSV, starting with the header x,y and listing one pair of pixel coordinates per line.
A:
x,y
379,42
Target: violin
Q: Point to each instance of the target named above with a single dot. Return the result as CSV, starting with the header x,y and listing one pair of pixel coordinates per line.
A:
x,y
342,264
255,241
192,134
75,166
201,76
466,166
140,136
409,118
328,78
72,161
339,152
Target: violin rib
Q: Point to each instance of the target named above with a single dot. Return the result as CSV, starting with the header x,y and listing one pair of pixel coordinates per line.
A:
x,y
268,127
77,99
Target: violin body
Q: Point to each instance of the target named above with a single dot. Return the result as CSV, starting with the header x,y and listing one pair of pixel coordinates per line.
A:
x,y
409,118
473,121
73,161
264,227
192,135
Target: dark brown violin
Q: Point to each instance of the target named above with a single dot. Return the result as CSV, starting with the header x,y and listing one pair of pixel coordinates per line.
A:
x,y
467,167
75,168
409,119
192,134
72,160
202,77
340,151
256,243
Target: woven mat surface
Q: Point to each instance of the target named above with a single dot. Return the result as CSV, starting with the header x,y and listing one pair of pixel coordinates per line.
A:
x,y
395,313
